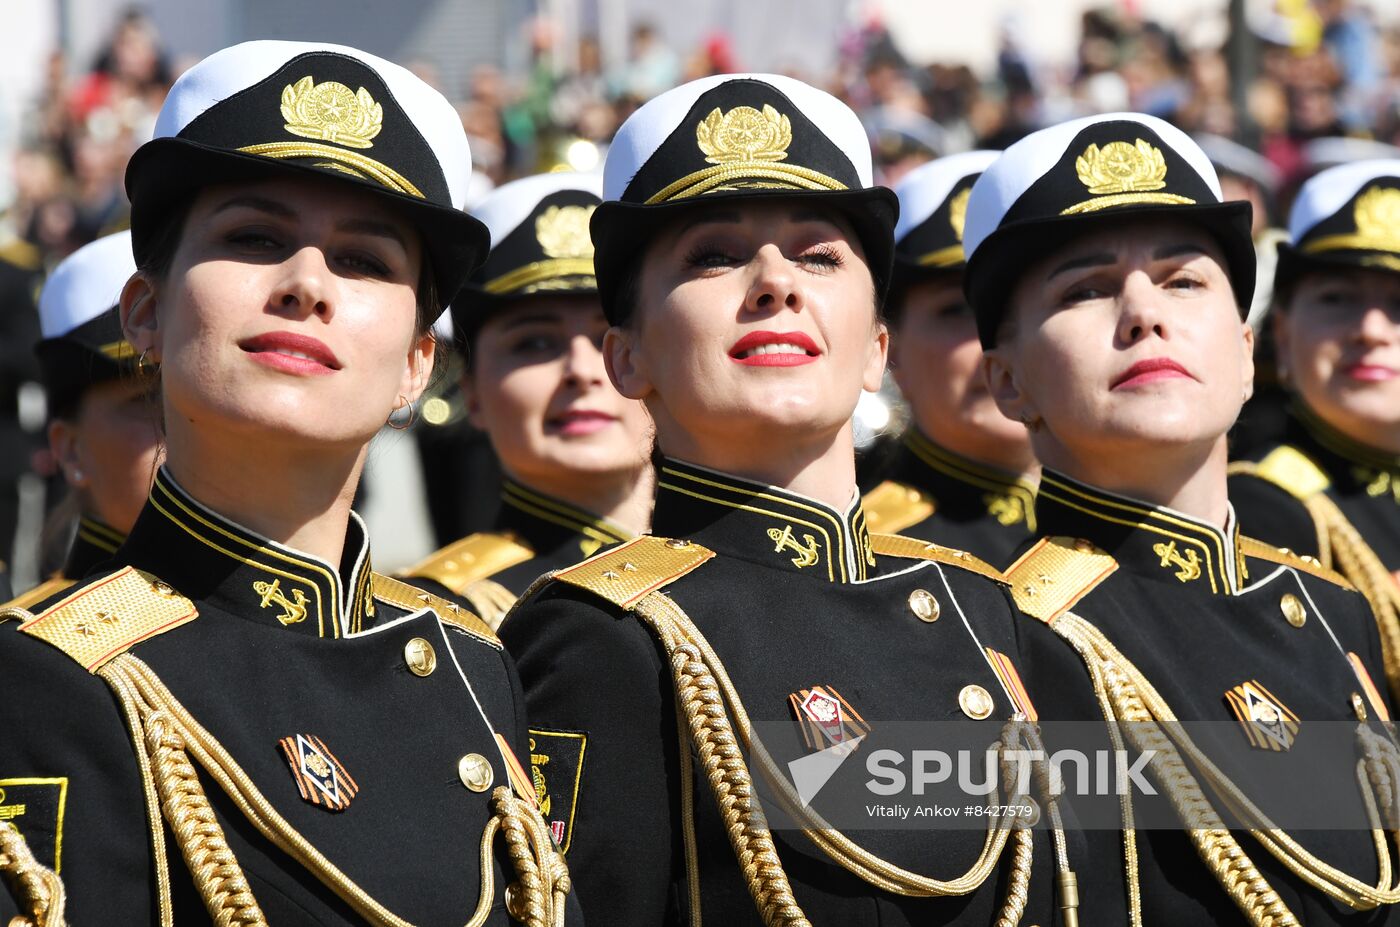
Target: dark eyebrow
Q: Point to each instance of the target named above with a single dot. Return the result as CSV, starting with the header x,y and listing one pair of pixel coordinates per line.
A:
x,y
260,203
282,211
371,227
1171,251
1103,259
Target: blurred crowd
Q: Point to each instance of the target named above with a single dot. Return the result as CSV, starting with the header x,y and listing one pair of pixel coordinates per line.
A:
x,y
1320,70
1276,99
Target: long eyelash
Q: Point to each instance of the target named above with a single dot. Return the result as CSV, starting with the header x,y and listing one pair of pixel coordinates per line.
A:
x,y
830,253
701,253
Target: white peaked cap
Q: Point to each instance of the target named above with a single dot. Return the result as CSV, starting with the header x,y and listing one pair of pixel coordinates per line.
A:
x,y
86,284
923,190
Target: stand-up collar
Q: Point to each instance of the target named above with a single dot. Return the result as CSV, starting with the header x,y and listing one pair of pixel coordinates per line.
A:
x,y
1158,542
94,543
212,559
1353,466
964,487
763,524
546,523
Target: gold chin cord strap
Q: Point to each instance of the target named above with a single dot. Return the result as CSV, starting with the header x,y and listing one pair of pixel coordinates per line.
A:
x,y
1135,708
1346,551
169,742
706,700
36,888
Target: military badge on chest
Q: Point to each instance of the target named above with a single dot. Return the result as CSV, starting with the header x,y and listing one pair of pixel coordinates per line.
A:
x,y
319,776
825,718
1267,722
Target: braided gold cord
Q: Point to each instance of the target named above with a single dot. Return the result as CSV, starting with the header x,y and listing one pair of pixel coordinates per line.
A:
x,y
1347,552
707,697
1326,878
174,737
37,889
217,876
1018,889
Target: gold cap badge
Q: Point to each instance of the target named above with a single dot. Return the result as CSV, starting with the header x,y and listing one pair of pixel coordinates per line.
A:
x,y
1123,174
331,112
562,231
957,212
744,134
1377,218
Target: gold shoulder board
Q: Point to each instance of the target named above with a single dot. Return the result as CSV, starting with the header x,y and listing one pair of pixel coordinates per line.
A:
x,y
1263,551
891,507
626,574
47,589
896,545
402,595
109,616
1055,574
1290,469
474,557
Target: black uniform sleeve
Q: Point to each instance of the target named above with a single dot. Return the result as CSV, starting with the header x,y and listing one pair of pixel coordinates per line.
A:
x,y
1268,512
70,783
603,728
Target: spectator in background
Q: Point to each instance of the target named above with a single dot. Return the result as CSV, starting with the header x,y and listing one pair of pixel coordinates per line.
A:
x,y
652,67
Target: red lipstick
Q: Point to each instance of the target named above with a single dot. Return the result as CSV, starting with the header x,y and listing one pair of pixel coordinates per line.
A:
x,y
291,353
1150,371
774,349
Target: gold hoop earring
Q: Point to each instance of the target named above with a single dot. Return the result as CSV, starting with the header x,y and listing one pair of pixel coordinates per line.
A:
x,y
412,415
144,366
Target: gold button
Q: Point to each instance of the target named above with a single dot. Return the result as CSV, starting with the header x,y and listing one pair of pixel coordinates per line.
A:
x,y
514,907
923,604
1083,546
677,544
976,702
475,772
1293,610
1358,706
420,657
161,587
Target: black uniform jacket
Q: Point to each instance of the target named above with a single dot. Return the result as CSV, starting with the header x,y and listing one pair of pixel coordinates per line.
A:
x,y
1362,481
357,710
1265,659
932,494
93,545
534,534
797,607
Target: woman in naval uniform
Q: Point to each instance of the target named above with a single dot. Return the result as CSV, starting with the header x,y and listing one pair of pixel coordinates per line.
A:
x,y
963,474
241,720
101,431
1331,489
1109,282
575,454
741,254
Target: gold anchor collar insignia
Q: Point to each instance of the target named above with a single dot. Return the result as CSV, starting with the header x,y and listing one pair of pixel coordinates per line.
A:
x,y
764,524
188,544
1153,540
1123,173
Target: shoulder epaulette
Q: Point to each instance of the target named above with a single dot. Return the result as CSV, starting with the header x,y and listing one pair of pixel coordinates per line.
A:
x,y
411,598
1264,551
626,574
110,615
1290,469
474,557
45,590
1055,574
21,254
897,545
891,507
